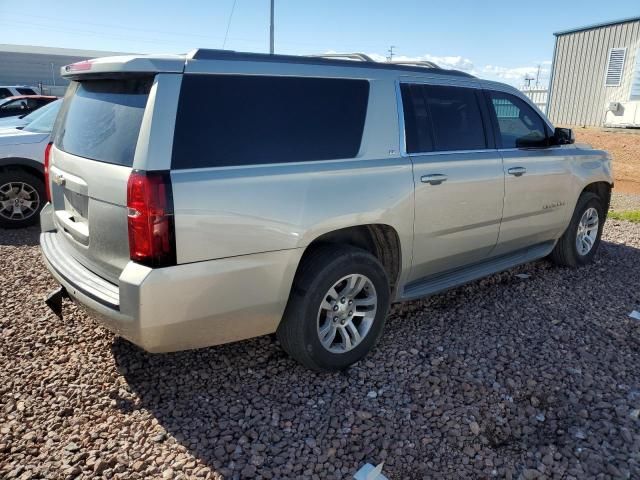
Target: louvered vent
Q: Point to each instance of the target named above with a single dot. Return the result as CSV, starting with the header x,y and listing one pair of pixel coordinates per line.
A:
x,y
615,66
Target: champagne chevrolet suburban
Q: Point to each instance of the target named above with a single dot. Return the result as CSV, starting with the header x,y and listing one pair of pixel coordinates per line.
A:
x,y
216,196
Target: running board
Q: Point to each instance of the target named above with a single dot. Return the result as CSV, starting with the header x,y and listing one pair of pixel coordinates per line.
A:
x,y
459,276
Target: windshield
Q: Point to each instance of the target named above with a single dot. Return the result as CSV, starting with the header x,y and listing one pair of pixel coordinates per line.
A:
x,y
41,111
43,122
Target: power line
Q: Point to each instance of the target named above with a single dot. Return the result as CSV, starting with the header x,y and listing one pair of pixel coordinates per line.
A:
x,y
233,7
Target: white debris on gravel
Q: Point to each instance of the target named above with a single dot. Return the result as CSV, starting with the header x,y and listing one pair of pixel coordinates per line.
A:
x,y
635,315
481,366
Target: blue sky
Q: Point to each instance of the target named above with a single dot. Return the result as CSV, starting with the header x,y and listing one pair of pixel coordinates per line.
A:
x,y
493,39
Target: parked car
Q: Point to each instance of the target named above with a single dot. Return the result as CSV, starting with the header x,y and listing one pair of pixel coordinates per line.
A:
x,y
23,104
22,189
21,121
213,197
14,90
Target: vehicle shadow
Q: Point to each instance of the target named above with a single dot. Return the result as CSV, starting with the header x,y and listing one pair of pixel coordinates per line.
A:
x,y
20,236
247,405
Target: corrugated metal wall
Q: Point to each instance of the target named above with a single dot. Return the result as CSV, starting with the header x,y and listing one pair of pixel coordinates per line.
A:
x,y
578,93
31,68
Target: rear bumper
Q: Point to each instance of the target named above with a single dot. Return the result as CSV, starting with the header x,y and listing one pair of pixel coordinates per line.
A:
x,y
182,307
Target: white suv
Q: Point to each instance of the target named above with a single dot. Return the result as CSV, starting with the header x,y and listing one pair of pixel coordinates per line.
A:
x,y
15,90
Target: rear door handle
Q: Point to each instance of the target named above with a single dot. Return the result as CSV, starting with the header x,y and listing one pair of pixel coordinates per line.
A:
x,y
517,171
434,178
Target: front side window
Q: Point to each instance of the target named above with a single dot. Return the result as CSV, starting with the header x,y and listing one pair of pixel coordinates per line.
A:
x,y
442,118
519,126
229,120
17,106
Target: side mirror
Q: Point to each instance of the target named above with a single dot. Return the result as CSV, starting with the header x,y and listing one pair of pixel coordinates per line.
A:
x,y
563,136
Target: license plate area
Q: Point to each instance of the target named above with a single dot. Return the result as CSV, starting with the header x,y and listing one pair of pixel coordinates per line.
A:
x,y
77,205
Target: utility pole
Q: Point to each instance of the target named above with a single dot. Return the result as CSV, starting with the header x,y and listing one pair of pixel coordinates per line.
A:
x,y
271,30
527,81
390,57
538,78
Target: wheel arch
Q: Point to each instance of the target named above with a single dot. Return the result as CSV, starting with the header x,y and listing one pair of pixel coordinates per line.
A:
x,y
26,164
603,190
381,240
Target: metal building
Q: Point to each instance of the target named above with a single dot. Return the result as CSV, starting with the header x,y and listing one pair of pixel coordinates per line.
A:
x,y
35,66
595,75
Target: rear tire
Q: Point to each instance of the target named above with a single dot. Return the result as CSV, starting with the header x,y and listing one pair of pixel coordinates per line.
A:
x,y
579,243
22,196
337,308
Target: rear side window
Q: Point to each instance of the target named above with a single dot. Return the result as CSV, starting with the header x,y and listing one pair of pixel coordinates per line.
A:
x,y
4,93
519,126
25,91
100,119
442,118
226,120
456,118
417,125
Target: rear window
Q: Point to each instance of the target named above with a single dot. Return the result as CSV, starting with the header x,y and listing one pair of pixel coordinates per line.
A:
x,y
226,120
101,119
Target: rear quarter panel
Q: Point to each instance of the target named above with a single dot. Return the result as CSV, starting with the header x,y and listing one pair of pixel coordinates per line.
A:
x,y
229,211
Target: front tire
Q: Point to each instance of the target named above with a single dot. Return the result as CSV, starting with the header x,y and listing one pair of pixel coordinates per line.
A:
x,y
579,243
337,308
22,196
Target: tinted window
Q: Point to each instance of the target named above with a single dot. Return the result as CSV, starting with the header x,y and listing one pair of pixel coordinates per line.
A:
x,y
456,118
25,91
518,124
101,119
242,120
416,119
16,106
442,118
5,92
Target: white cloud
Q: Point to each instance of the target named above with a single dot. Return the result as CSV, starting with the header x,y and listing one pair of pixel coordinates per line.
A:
x,y
516,73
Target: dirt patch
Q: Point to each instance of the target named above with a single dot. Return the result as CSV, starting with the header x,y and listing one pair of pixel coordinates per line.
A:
x,y
624,146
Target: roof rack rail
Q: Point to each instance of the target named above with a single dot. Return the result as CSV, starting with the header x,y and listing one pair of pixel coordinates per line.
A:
x,y
415,63
348,56
329,59
363,57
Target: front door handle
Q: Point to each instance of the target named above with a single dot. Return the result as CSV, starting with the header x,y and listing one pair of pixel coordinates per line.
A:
x,y
517,171
434,178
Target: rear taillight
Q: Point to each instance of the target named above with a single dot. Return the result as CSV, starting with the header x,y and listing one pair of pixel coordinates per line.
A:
x,y
78,66
150,219
47,152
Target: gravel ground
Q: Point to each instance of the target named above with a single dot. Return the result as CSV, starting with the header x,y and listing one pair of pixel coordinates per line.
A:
x,y
507,377
624,201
